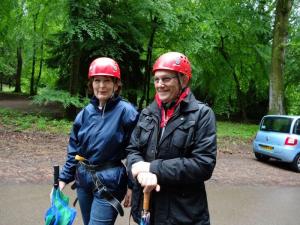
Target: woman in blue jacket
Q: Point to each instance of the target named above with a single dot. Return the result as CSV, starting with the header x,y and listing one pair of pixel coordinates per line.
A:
x,y
100,133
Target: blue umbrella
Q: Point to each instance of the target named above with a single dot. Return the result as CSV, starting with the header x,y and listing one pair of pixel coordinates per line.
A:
x,y
59,213
145,219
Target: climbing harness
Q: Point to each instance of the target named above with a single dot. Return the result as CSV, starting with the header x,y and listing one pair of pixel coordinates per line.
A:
x,y
99,186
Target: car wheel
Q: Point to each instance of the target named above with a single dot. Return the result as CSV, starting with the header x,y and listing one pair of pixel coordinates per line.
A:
x,y
296,163
261,157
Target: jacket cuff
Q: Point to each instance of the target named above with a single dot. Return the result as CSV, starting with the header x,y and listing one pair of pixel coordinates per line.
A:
x,y
65,179
154,166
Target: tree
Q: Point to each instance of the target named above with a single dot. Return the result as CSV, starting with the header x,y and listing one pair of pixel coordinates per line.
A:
x,y
34,48
227,42
19,69
280,33
11,42
97,29
292,63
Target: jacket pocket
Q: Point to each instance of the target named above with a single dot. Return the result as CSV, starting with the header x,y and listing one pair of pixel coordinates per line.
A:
x,y
183,137
146,129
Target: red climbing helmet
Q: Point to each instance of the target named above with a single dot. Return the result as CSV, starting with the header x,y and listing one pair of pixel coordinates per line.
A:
x,y
174,61
104,67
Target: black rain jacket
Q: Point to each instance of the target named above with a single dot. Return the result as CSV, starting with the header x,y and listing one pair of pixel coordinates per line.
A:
x,y
182,158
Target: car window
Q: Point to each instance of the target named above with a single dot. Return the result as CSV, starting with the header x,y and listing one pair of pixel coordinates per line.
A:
x,y
297,127
276,124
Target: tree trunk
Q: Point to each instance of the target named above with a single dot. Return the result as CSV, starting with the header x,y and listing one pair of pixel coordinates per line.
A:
x,y
1,82
240,97
40,70
75,62
280,33
239,94
74,59
33,56
73,85
19,70
149,57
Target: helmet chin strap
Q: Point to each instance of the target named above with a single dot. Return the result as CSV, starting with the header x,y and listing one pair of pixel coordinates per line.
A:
x,y
113,91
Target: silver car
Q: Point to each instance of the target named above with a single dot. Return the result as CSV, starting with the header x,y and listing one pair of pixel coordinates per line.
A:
x,y
278,138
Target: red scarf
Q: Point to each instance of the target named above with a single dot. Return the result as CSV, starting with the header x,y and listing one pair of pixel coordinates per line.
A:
x,y
165,116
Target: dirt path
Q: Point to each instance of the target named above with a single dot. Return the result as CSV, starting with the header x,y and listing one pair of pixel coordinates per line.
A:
x,y
29,157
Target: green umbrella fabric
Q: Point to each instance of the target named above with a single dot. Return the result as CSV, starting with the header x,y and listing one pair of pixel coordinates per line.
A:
x,y
60,213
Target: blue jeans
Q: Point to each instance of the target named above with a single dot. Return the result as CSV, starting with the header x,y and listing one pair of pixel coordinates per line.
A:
x,y
95,210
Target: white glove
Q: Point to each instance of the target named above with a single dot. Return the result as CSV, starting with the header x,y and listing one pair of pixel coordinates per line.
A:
x,y
148,181
140,167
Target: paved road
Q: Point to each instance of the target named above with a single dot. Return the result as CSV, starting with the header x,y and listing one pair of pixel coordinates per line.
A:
x,y
229,205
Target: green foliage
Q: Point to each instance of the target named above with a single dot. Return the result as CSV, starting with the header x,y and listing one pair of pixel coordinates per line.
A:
x,y
292,94
229,55
7,42
21,122
17,31
98,28
292,65
226,48
228,43
47,95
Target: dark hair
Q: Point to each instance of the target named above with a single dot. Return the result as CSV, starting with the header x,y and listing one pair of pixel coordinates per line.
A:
x,y
115,80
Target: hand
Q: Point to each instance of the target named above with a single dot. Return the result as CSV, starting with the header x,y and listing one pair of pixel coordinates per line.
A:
x,y
127,199
148,181
140,167
61,185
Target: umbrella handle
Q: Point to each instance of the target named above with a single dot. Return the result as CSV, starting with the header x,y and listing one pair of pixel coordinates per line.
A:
x,y
55,175
146,201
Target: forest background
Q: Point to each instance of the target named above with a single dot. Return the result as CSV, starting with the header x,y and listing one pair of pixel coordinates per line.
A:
x,y
245,54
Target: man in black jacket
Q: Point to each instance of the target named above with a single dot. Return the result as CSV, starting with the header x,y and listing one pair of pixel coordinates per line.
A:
x,y
173,148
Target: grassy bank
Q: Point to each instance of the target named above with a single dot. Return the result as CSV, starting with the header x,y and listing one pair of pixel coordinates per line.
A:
x,y
236,130
21,122
17,121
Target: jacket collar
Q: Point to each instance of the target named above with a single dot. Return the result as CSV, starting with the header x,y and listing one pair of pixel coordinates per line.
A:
x,y
188,104
110,104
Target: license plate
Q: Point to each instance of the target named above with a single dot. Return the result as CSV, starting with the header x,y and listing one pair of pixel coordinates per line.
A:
x,y
266,147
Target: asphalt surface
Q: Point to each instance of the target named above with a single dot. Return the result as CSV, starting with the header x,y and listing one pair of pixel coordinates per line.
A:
x,y
229,205
242,191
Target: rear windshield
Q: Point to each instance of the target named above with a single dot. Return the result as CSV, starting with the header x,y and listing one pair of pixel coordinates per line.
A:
x,y
276,124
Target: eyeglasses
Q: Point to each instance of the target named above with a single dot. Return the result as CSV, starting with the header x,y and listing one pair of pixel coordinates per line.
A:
x,y
163,80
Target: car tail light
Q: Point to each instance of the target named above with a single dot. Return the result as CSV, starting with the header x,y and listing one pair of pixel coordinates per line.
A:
x,y
291,141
